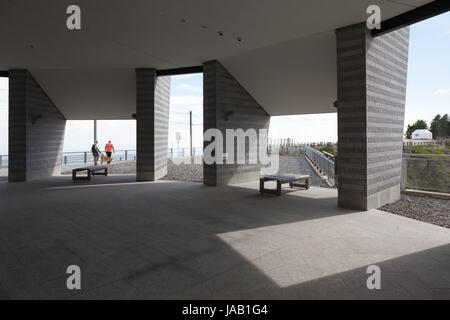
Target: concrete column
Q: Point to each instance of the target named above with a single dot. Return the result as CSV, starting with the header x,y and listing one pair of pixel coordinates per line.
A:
x,y
17,135
36,130
152,115
371,103
227,105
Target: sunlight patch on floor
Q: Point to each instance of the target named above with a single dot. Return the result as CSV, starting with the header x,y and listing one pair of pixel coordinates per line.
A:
x,y
298,252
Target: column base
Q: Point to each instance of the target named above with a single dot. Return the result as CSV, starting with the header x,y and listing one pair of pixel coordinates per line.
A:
x,y
151,175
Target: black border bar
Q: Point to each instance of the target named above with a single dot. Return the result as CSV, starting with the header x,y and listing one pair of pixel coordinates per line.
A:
x,y
4,74
179,71
416,15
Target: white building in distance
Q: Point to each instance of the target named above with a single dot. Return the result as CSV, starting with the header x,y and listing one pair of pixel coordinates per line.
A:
x,y
422,134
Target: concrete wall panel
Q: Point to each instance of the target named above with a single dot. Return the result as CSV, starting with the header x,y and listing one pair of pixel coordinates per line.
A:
x,y
372,76
152,110
223,94
36,130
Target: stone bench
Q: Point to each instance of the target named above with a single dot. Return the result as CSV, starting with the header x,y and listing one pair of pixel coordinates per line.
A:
x,y
301,181
91,171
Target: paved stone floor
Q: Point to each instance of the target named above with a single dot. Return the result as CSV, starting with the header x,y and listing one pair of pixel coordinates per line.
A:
x,y
299,165
174,240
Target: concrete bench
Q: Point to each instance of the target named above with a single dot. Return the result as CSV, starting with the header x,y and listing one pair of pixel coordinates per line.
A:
x,y
301,181
91,171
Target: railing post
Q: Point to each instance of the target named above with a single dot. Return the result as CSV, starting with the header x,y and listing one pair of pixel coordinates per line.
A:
x,y
404,175
336,171
85,157
65,160
1,161
126,155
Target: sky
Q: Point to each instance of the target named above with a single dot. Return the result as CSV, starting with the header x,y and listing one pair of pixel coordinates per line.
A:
x,y
428,94
428,88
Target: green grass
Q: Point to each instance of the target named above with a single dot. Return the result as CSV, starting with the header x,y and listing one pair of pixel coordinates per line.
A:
x,y
331,150
429,174
427,149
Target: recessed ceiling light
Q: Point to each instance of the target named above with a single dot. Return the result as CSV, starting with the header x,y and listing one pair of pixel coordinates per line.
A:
x,y
220,33
239,39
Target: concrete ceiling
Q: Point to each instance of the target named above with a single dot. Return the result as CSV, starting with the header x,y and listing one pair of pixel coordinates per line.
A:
x,y
286,58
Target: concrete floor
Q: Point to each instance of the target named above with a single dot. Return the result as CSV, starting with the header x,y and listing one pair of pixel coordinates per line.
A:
x,y
184,240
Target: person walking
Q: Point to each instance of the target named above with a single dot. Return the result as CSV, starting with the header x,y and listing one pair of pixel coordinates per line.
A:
x,y
95,152
109,149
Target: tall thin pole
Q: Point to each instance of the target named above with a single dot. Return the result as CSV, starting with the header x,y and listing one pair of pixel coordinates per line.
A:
x,y
190,130
95,130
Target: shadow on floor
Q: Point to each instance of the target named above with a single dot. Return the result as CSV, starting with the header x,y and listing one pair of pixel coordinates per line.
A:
x,y
185,240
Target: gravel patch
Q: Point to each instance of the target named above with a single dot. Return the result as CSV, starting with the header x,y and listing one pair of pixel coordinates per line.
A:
x,y
184,172
194,172
425,209
175,172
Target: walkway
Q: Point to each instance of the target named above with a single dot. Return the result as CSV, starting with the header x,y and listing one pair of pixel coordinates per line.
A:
x,y
186,240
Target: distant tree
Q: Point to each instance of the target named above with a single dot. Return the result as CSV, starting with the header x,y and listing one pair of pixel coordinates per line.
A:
x,y
434,125
439,126
419,124
446,125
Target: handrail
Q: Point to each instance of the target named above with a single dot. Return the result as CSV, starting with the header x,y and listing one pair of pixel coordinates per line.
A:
x,y
89,151
2,160
421,155
325,165
78,157
425,172
329,155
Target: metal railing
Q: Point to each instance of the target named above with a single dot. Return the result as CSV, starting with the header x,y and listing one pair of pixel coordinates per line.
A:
x,y
322,162
69,158
79,157
3,160
184,152
412,143
429,172
124,155
294,149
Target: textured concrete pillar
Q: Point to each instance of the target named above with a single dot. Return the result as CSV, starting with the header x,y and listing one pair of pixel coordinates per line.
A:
x,y
371,103
152,128
227,105
36,130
